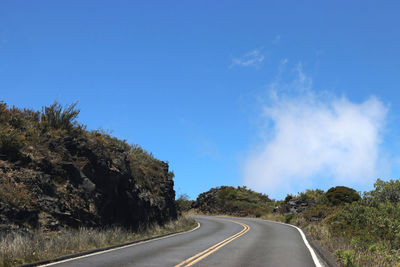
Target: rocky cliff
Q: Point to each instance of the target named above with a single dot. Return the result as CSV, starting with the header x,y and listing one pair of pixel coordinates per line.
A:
x,y
54,173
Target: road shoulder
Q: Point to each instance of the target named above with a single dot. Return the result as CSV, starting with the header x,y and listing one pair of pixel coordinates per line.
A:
x,y
326,258
93,252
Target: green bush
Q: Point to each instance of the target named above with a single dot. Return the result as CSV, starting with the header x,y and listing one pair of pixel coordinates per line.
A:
x,y
318,212
363,232
316,196
346,256
340,195
385,191
368,224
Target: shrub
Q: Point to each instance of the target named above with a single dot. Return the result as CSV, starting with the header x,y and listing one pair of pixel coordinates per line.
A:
x,y
104,138
318,212
17,195
239,201
362,232
288,198
346,256
367,224
57,117
313,196
385,191
341,194
289,218
183,203
11,142
4,113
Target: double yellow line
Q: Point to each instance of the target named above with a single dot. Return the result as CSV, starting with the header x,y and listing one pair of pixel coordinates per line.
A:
x,y
198,257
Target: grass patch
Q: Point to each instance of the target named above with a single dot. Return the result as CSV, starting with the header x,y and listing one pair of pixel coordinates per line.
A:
x,y
16,249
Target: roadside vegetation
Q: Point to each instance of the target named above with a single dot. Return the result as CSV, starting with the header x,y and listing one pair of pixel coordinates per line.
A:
x,y
22,130
183,204
358,229
235,201
16,249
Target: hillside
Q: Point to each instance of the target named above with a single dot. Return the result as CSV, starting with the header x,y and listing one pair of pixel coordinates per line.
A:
x,y
229,200
54,173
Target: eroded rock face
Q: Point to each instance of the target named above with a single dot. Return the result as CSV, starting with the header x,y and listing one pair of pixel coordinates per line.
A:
x,y
76,181
207,202
295,207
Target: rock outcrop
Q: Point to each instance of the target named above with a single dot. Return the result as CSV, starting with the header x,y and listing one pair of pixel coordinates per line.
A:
x,y
293,206
73,178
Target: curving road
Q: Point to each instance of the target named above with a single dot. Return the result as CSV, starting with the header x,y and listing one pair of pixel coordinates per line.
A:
x,y
219,241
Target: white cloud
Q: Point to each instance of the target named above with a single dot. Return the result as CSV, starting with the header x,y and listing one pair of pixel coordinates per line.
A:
x,y
315,140
253,58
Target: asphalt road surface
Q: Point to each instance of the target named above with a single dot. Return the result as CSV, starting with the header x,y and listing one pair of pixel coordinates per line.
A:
x,y
219,241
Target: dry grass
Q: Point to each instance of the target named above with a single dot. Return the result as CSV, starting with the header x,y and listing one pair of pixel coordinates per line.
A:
x,y
16,249
273,217
377,255
16,194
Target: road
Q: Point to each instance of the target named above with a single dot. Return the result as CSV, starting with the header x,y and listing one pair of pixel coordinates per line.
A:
x,y
219,241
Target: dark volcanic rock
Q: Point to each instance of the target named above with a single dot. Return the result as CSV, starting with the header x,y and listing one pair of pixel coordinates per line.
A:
x,y
294,207
78,181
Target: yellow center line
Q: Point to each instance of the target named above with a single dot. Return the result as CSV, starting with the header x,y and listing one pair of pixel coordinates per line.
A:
x,y
199,256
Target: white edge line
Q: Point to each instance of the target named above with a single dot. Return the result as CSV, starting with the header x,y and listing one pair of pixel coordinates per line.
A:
x,y
313,255
127,246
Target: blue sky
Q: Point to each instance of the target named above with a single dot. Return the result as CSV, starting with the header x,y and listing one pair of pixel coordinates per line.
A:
x,y
229,92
